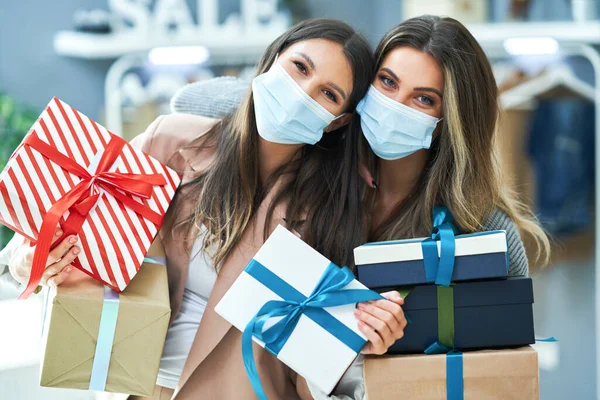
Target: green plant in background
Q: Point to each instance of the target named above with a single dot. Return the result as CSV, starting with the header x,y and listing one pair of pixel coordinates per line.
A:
x,y
15,121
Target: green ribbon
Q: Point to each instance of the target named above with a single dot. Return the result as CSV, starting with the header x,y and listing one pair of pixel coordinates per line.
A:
x,y
445,313
404,291
445,303
445,344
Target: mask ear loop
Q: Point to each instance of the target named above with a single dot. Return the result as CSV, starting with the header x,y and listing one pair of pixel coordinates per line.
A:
x,y
339,116
341,139
335,119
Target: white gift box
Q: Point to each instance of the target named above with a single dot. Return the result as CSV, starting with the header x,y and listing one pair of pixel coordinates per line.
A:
x,y
411,249
311,350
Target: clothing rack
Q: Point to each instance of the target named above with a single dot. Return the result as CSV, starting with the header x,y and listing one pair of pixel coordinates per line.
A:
x,y
574,39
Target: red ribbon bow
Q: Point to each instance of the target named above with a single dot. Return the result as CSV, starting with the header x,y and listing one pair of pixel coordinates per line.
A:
x,y
81,199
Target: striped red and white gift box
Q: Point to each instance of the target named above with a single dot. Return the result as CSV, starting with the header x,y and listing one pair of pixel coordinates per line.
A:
x,y
114,239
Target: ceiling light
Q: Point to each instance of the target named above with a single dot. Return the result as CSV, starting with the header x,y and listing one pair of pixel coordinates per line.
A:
x,y
531,46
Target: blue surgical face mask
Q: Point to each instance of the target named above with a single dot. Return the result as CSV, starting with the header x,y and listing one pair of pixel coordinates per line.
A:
x,y
284,112
392,129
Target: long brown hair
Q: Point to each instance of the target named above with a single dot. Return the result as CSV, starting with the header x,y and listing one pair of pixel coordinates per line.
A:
x,y
462,171
321,182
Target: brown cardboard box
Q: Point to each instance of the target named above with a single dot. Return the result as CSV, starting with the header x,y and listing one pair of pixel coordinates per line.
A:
x,y
488,375
71,331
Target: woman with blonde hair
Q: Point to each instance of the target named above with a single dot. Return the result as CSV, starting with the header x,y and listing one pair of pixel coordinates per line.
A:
x,y
429,120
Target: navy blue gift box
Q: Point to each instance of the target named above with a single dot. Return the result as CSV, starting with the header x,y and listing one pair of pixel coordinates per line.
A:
x,y
400,262
487,314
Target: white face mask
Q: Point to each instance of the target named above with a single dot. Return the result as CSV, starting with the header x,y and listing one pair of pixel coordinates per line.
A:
x,y
284,112
392,129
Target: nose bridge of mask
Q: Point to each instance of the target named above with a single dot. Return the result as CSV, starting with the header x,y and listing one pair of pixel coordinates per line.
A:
x,y
299,94
393,127
282,113
319,109
390,131
285,110
403,109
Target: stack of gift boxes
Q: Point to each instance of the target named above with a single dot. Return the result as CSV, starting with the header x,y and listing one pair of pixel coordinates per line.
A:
x,y
467,336
105,326
469,324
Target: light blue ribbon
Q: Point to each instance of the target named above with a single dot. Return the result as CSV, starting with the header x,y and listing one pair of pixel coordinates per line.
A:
x,y
106,336
156,260
327,293
106,333
440,269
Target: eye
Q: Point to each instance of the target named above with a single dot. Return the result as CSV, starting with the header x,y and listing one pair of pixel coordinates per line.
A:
x,y
428,101
330,94
301,67
387,81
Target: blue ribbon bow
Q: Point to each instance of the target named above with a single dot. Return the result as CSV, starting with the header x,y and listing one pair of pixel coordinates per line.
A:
x,y
327,293
440,269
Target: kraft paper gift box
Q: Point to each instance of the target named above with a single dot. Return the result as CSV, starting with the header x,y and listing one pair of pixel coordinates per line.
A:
x,y
79,349
468,315
317,341
70,171
400,262
485,375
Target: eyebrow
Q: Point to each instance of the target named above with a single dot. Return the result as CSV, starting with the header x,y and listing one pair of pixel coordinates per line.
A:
x,y
422,89
307,58
428,89
389,71
339,89
312,65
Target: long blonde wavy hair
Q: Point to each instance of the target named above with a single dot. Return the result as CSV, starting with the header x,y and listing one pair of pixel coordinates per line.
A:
x,y
462,172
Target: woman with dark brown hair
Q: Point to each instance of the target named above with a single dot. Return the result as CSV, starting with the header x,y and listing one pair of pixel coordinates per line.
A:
x,y
288,156
429,120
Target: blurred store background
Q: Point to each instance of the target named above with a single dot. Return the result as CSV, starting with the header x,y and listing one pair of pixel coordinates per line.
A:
x,y
121,61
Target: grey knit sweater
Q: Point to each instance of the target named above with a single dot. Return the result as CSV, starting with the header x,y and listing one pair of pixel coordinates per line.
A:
x,y
516,251
219,97
214,98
